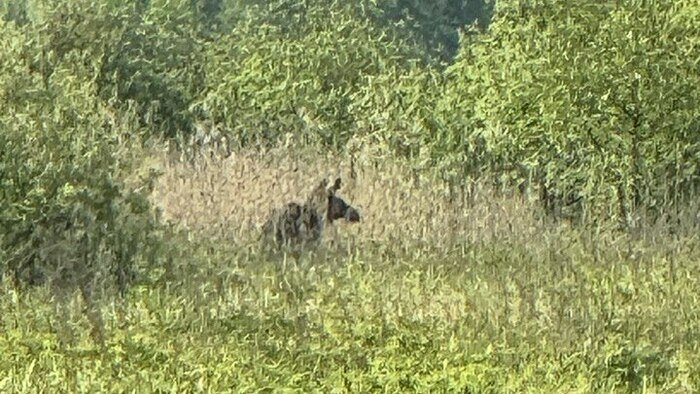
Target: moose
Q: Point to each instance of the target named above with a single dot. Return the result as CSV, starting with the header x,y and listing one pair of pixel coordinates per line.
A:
x,y
298,225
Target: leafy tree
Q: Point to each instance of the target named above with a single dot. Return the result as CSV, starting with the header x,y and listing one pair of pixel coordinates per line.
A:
x,y
595,102
72,212
394,111
146,54
291,73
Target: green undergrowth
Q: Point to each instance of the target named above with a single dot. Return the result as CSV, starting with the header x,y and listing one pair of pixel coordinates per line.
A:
x,y
504,316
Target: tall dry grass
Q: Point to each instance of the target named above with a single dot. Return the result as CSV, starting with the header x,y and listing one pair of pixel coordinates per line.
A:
x,y
227,200
230,199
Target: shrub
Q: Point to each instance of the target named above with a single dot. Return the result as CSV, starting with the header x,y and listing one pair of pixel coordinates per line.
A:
x,y
71,211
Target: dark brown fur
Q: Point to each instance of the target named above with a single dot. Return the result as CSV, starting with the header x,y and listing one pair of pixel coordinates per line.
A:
x,y
302,224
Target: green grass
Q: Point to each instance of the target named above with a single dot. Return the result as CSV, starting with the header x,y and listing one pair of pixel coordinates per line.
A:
x,y
503,316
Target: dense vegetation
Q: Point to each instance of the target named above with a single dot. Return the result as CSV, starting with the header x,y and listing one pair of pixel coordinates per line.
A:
x,y
529,170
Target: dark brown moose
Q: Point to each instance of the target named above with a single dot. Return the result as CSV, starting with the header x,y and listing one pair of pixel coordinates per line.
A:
x,y
302,224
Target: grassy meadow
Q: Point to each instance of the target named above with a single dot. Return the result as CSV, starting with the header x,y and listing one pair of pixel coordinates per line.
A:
x,y
527,174
431,292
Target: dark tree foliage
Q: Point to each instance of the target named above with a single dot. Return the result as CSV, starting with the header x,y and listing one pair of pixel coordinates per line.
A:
x,y
15,11
436,24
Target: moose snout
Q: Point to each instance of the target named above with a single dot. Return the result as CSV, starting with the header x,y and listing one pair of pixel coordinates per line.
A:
x,y
352,215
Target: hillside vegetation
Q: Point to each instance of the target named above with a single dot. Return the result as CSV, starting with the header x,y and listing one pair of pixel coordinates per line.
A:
x,y
527,173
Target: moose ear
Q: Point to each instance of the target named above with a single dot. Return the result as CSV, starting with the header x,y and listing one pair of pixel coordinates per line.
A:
x,y
336,185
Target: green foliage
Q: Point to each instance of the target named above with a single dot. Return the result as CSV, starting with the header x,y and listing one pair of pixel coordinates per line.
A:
x,y
479,320
141,58
435,24
394,110
592,104
15,11
153,58
596,100
68,211
267,79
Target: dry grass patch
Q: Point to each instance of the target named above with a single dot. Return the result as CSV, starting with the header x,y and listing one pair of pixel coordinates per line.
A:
x,y
230,199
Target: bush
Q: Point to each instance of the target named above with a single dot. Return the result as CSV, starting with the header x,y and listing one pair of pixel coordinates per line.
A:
x,y
567,95
70,210
270,78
